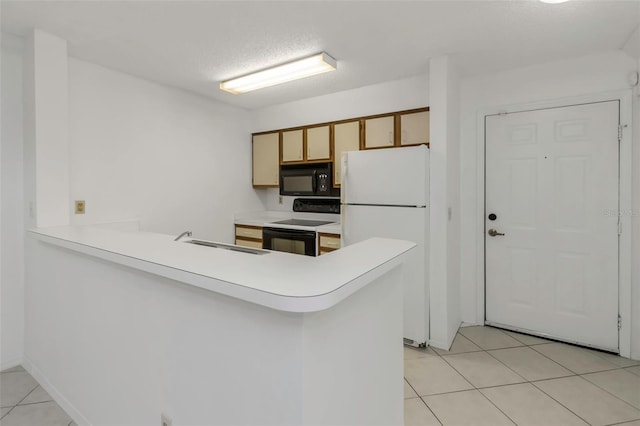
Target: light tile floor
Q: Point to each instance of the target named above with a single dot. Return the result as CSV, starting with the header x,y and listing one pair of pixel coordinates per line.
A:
x,y
25,403
489,377
496,377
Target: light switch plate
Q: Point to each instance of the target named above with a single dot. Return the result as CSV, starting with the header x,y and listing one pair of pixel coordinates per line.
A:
x,y
80,206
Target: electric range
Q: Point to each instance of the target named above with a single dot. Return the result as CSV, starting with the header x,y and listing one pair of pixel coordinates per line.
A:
x,y
300,235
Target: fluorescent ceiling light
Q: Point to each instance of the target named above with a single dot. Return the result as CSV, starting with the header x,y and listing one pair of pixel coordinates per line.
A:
x,y
295,70
553,1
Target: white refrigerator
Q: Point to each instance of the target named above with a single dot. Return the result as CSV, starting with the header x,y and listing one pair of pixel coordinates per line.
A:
x,y
385,193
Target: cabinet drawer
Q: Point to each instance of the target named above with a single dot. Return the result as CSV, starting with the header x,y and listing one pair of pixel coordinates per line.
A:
x,y
248,243
327,241
249,232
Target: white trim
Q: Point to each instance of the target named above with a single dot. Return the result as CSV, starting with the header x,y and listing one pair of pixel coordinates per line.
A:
x,y
626,166
63,402
626,205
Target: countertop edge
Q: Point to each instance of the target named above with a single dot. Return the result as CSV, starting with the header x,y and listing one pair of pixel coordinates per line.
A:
x,y
294,304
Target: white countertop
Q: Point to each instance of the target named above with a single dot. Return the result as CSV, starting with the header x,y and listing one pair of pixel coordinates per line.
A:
x,y
277,280
264,218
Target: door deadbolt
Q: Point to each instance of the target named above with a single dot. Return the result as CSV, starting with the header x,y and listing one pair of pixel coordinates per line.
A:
x,y
494,233
493,216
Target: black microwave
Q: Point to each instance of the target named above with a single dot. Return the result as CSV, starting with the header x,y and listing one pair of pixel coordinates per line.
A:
x,y
314,179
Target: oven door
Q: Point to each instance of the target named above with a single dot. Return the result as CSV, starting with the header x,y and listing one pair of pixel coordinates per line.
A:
x,y
289,240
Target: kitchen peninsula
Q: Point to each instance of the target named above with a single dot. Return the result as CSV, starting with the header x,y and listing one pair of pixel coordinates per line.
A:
x,y
207,335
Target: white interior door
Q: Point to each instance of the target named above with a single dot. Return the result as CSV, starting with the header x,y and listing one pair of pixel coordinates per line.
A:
x,y
552,184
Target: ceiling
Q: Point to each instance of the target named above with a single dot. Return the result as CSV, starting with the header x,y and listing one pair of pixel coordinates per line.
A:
x,y
194,45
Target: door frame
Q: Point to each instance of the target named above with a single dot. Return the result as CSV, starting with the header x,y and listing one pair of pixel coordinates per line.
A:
x,y
625,201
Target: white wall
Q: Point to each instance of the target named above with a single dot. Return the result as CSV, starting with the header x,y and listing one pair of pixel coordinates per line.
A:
x,y
12,201
47,127
563,79
368,100
444,251
175,160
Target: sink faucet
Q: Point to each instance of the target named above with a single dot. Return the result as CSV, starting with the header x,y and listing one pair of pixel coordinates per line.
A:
x,y
187,233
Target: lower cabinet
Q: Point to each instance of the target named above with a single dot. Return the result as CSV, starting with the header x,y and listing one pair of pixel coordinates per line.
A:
x,y
249,236
328,243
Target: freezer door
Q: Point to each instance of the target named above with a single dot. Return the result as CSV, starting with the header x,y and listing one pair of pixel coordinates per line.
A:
x,y
396,176
362,222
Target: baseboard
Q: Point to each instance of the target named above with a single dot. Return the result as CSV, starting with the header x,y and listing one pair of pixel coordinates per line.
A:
x,y
63,402
437,344
5,365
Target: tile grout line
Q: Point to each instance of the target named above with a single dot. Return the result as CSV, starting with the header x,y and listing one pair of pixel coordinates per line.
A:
x,y
34,403
411,386
7,413
468,381
544,355
527,381
14,406
498,408
560,403
620,423
573,374
30,392
554,361
605,390
431,411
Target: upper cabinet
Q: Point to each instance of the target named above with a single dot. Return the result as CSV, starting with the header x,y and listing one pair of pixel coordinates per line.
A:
x,y
379,132
292,146
414,128
319,143
266,165
346,137
327,141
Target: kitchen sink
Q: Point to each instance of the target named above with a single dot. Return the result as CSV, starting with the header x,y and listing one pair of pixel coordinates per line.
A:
x,y
228,247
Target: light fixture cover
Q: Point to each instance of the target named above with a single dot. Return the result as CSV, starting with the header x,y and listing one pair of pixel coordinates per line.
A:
x,y
553,1
295,70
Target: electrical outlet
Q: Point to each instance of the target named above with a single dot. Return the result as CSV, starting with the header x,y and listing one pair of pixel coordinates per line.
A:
x,y
280,199
165,420
80,206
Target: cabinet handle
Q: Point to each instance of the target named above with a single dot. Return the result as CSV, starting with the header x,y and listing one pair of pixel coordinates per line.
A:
x,y
404,136
390,137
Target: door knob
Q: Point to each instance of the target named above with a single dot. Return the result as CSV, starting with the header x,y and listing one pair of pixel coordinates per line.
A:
x,y
494,233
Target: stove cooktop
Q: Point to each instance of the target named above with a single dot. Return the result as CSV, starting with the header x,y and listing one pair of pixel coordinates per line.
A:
x,y
303,222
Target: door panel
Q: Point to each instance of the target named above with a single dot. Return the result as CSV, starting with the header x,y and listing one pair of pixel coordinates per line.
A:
x,y
550,177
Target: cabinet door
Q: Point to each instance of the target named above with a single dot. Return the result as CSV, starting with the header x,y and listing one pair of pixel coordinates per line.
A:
x,y
266,164
292,146
346,137
414,128
378,132
318,146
